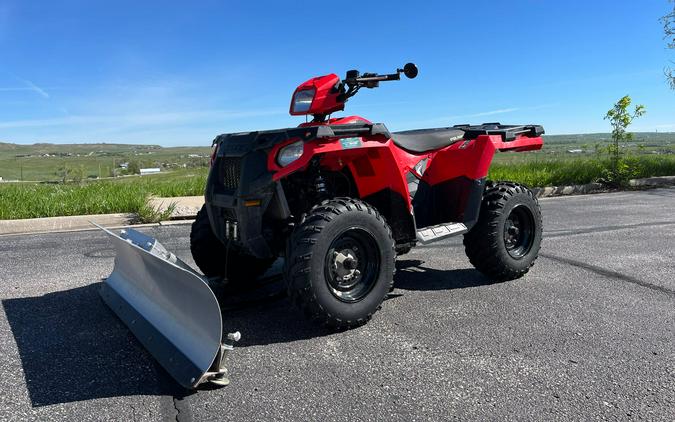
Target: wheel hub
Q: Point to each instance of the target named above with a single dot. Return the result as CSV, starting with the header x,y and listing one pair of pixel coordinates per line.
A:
x,y
352,264
345,264
519,232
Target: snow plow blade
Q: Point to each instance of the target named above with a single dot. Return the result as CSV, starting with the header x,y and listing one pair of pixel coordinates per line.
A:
x,y
169,307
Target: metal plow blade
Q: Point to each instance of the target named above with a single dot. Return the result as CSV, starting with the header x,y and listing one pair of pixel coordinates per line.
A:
x,y
169,308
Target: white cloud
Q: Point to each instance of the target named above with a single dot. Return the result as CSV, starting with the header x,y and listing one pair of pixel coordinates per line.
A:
x,y
32,87
150,119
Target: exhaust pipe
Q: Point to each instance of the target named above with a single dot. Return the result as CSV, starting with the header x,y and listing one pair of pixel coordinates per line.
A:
x,y
169,307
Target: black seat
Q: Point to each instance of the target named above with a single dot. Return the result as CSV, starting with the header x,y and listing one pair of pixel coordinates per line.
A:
x,y
423,140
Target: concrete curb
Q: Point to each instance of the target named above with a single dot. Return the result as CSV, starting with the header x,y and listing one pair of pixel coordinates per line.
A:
x,y
569,190
62,224
186,209
599,187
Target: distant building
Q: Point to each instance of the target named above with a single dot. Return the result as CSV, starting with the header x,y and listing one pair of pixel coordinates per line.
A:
x,y
575,151
151,170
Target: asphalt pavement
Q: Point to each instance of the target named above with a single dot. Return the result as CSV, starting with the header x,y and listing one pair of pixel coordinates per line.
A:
x,y
589,333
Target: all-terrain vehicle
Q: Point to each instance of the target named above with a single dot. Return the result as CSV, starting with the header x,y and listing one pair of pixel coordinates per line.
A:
x,y
340,197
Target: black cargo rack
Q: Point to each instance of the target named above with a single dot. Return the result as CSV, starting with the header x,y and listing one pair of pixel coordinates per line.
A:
x,y
267,138
507,132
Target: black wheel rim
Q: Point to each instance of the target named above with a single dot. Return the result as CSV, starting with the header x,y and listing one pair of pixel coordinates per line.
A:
x,y
519,231
352,264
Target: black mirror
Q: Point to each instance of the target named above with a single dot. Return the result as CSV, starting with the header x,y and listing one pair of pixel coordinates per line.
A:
x,y
410,70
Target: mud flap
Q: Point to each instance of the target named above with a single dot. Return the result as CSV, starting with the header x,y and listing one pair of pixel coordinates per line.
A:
x,y
169,308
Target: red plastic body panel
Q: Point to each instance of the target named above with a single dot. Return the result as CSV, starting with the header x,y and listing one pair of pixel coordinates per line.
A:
x,y
377,163
325,98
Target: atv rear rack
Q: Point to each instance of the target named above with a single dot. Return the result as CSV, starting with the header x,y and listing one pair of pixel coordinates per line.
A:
x,y
507,132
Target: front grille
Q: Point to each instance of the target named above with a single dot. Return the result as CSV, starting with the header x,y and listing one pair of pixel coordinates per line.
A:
x,y
230,172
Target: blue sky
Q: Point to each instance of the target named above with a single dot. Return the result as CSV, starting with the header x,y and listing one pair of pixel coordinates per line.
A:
x,y
179,73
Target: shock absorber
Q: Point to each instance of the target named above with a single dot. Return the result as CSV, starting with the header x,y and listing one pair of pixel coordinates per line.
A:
x,y
319,182
320,187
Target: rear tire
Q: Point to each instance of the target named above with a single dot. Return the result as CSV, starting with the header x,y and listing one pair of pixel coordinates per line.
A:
x,y
209,254
340,263
505,241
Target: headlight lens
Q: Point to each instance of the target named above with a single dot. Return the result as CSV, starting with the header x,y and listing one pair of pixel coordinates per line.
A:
x,y
290,153
302,100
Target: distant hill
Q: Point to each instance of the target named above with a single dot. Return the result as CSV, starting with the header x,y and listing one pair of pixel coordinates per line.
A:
x,y
45,161
650,138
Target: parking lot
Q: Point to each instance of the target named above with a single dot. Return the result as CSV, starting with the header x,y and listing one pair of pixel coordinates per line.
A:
x,y
588,333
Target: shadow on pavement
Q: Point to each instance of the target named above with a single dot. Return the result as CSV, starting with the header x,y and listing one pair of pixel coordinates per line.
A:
x,y
411,275
73,348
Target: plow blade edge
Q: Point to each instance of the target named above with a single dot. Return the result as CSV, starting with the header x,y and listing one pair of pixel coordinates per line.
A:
x,y
168,307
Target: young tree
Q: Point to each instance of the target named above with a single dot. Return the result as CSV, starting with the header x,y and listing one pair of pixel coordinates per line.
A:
x,y
669,30
63,172
620,118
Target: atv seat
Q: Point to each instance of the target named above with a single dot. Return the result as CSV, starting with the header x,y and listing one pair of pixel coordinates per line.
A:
x,y
424,140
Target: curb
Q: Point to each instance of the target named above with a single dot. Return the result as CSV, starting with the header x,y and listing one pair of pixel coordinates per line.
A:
x,y
569,190
649,182
186,209
62,224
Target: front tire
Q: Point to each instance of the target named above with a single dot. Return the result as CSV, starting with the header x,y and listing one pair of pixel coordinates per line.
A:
x,y
340,263
505,241
210,254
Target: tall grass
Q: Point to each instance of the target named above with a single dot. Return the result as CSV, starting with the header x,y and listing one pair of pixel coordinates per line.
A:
x,y
580,171
128,195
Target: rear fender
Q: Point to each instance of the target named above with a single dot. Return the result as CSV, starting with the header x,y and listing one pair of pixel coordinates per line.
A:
x,y
452,185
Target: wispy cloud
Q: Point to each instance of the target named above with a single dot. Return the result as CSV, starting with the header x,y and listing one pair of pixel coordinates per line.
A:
x,y
485,113
151,119
32,87
24,88
458,117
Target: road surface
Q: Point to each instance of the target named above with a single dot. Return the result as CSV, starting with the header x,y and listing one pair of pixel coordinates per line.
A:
x,y
588,333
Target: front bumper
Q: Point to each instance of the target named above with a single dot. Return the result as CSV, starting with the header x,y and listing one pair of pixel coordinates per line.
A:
x,y
241,201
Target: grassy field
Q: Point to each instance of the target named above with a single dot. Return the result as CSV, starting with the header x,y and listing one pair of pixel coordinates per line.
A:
x,y
125,194
575,171
43,162
651,154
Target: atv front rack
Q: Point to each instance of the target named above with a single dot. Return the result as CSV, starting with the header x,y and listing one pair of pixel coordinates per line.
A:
x,y
238,144
507,132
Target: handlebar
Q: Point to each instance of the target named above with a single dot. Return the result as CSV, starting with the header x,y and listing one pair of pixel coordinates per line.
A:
x,y
354,80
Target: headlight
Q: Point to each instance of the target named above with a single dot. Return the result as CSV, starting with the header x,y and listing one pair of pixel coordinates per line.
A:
x,y
302,100
290,153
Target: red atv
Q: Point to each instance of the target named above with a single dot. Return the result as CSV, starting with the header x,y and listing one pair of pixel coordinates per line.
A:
x,y
340,197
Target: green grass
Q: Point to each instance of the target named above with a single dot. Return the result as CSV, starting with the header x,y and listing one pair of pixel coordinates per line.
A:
x,y
124,195
552,166
575,171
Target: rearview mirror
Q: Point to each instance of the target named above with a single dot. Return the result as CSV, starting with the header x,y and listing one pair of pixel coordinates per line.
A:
x,y
410,70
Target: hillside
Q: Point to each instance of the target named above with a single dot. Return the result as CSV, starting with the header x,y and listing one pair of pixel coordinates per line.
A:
x,y
44,162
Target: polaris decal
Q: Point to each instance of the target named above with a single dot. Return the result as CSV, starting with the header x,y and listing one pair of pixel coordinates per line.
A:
x,y
349,143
